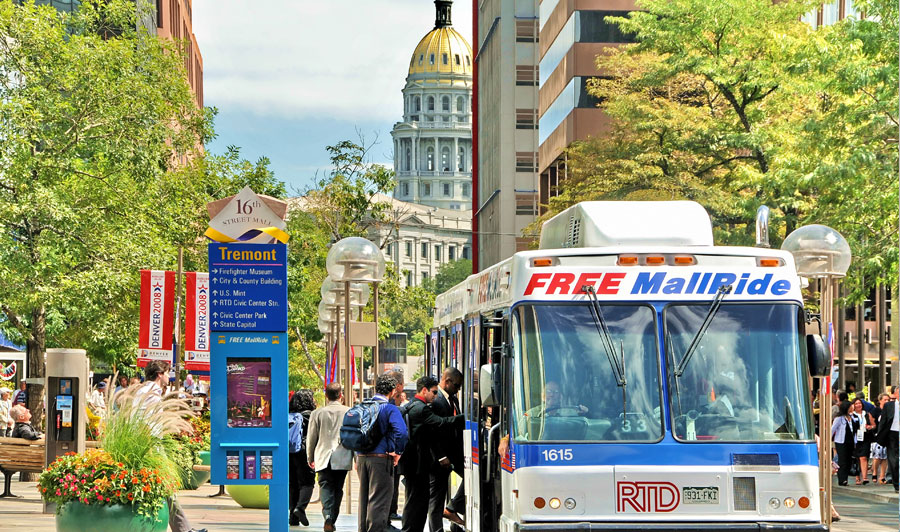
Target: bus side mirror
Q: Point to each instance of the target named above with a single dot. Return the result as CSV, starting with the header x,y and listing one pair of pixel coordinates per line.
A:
x,y
817,354
489,385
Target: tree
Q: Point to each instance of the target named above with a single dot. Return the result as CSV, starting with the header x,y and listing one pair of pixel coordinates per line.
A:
x,y
348,200
92,119
738,103
449,275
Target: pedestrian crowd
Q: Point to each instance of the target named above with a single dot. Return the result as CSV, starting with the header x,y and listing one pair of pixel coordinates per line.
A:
x,y
418,438
865,438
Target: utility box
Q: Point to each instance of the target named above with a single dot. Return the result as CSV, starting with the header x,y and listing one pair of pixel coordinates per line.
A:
x,y
67,387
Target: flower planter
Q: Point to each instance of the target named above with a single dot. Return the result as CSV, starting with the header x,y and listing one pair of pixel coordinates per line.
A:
x,y
77,517
198,478
249,496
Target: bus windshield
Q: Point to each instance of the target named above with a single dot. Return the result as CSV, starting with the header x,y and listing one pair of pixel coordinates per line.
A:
x,y
566,388
746,379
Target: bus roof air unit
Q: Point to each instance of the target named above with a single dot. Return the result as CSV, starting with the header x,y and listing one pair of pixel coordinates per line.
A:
x,y
628,223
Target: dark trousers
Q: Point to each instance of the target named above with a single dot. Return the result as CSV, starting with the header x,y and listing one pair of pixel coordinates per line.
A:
x,y
395,501
458,502
302,479
331,491
178,522
440,481
376,489
845,459
893,457
418,494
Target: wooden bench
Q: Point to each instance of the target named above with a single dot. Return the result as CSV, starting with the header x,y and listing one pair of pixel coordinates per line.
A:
x,y
17,455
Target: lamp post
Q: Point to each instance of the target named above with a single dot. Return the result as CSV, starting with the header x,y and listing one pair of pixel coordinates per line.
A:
x,y
822,253
353,261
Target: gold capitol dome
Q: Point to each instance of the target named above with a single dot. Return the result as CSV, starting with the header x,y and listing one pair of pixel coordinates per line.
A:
x,y
443,50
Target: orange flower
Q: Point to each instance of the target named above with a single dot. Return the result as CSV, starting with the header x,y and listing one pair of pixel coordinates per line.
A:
x,y
146,488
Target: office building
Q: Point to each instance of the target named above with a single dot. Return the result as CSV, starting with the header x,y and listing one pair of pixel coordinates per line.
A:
x,y
506,73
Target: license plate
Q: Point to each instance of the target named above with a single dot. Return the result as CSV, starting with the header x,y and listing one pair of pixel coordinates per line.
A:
x,y
704,495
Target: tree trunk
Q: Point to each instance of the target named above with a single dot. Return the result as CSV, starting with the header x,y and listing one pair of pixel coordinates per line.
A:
x,y
312,363
36,365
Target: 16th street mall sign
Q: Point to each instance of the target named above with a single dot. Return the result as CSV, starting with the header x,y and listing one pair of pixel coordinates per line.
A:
x,y
248,373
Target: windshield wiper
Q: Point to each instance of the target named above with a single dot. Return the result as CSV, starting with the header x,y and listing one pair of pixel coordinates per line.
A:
x,y
710,314
605,338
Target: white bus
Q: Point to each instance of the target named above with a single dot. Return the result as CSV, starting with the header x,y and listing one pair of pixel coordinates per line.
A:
x,y
630,375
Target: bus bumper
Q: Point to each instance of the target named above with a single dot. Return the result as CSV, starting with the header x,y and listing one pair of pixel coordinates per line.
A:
x,y
673,527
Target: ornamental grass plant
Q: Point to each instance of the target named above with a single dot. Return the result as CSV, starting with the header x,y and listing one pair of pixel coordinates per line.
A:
x,y
132,465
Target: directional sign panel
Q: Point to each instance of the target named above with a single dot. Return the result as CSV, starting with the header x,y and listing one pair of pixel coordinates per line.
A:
x,y
248,287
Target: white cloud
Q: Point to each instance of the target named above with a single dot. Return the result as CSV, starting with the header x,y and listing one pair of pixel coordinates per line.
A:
x,y
345,59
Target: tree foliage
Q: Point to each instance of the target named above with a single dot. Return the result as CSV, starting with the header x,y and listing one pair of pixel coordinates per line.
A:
x,y
738,103
449,275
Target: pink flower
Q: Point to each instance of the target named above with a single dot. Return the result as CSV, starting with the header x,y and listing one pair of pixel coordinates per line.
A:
x,y
58,492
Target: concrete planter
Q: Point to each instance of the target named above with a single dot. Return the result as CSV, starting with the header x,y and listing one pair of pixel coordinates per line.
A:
x,y
77,517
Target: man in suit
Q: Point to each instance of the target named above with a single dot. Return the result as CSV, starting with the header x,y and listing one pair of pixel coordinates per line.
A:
x,y
325,453
887,433
446,404
425,453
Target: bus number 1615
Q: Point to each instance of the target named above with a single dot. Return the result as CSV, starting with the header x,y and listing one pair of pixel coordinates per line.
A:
x,y
557,455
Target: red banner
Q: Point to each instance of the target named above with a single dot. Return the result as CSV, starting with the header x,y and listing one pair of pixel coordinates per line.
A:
x,y
196,322
157,316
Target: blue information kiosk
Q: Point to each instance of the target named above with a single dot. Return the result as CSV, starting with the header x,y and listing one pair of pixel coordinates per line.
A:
x,y
248,370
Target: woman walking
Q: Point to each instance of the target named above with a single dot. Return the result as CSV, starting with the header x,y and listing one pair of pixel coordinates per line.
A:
x,y
302,477
844,436
878,453
865,434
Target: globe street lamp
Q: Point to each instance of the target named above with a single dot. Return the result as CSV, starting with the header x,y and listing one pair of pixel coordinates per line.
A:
x,y
349,261
822,253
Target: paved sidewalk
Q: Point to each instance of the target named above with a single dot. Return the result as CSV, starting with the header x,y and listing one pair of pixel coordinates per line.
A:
x,y
874,492
216,513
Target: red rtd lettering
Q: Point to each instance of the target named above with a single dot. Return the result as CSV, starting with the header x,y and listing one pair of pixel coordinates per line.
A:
x,y
562,283
644,497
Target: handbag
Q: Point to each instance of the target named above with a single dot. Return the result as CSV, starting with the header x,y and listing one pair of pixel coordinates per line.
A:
x,y
854,468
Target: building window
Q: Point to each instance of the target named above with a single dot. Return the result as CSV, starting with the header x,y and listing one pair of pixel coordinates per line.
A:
x,y
421,58
431,59
468,62
426,189
429,159
445,104
430,103
461,160
526,161
424,250
424,277
437,252
444,59
465,190
409,278
409,249
526,30
526,204
404,189
445,158
408,158
451,253
526,119
418,104
456,58
448,187
465,252
460,104
526,75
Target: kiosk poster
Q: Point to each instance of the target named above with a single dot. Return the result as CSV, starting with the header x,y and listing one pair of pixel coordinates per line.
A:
x,y
249,392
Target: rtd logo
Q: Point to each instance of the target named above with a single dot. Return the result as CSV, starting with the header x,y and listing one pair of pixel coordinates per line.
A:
x,y
645,497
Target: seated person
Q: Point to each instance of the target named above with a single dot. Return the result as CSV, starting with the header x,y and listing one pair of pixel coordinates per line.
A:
x,y
23,428
552,406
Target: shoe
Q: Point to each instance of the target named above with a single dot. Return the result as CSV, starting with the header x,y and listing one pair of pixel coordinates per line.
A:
x,y
197,530
835,518
329,525
453,517
300,516
395,517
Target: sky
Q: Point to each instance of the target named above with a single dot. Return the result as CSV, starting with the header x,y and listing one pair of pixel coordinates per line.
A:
x,y
290,77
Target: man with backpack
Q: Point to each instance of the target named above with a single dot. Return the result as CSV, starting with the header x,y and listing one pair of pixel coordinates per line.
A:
x,y
429,452
376,430
302,477
326,455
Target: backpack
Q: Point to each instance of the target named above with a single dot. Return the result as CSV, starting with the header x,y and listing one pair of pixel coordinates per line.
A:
x,y
359,432
295,432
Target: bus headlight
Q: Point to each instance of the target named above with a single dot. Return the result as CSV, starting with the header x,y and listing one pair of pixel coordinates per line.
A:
x,y
554,503
570,503
788,502
774,503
